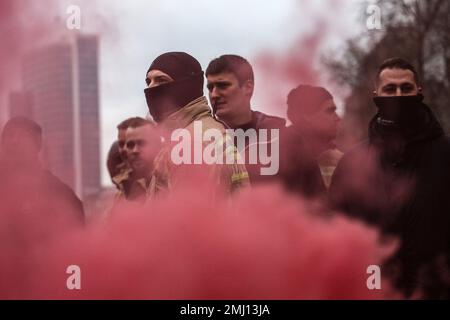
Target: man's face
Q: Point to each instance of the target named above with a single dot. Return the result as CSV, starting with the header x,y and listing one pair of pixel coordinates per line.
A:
x,y
121,138
396,82
227,97
325,120
156,78
142,146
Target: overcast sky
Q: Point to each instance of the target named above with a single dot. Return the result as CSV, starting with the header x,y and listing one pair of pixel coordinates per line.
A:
x,y
134,32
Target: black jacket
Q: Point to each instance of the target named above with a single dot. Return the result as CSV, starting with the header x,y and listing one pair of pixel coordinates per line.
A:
x,y
37,204
402,186
299,168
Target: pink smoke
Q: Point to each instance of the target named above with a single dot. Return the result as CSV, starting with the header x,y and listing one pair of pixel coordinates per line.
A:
x,y
265,245
27,24
300,62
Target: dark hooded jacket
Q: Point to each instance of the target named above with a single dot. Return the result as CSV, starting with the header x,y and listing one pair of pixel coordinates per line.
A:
x,y
402,186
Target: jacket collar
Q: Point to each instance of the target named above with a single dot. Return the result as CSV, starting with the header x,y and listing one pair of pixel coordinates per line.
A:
x,y
194,110
429,130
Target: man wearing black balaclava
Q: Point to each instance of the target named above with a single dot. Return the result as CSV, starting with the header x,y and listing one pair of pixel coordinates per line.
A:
x,y
175,100
399,181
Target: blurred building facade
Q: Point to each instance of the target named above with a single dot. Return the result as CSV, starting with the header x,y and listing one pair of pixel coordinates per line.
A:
x,y
20,104
62,81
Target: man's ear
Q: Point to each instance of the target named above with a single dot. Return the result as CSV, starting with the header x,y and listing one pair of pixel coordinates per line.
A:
x,y
419,89
249,87
375,88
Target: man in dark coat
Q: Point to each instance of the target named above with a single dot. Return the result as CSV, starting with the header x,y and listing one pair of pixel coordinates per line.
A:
x,y
399,181
35,203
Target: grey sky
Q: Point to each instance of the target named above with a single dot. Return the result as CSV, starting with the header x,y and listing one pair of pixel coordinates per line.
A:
x,y
134,32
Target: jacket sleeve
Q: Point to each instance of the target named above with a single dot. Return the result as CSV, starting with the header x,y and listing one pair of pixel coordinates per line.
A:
x,y
234,175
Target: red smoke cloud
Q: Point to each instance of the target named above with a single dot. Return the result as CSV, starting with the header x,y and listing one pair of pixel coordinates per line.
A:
x,y
300,63
265,245
25,24
9,26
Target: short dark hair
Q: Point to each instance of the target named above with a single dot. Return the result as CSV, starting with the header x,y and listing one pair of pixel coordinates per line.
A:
x,y
398,63
305,100
22,124
235,64
113,160
134,122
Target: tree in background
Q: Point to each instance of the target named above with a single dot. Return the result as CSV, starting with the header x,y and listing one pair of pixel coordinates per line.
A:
x,y
416,30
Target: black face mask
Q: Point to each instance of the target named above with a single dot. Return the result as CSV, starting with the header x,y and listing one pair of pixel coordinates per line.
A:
x,y
165,99
400,112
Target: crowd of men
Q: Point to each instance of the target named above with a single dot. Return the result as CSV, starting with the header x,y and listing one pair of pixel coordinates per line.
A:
x,y
398,180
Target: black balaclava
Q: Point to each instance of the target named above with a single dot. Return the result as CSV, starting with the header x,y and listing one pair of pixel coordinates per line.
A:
x,y
401,113
165,99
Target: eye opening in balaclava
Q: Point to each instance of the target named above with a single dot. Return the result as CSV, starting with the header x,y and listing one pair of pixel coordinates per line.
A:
x,y
165,99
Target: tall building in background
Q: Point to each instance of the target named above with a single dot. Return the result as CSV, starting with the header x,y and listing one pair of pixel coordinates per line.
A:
x,y
20,104
63,79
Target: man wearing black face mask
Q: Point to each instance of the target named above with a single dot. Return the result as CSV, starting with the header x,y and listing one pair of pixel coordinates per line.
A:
x,y
175,100
399,181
